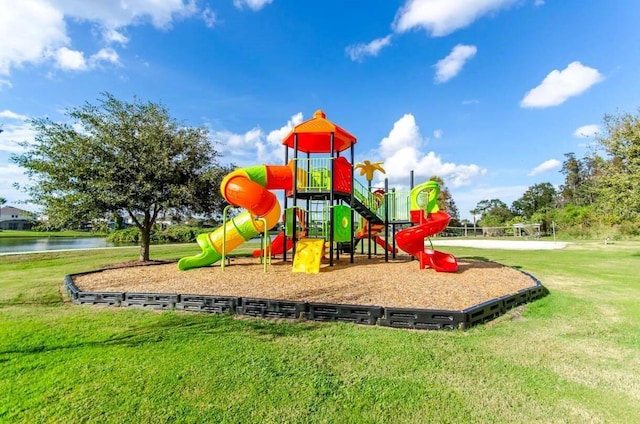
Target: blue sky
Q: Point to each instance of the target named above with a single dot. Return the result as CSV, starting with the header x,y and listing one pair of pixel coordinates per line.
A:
x,y
487,94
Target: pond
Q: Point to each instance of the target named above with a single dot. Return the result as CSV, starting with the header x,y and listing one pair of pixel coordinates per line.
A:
x,y
36,244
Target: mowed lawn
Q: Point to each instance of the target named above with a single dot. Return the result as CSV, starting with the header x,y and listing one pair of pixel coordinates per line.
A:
x,y
572,356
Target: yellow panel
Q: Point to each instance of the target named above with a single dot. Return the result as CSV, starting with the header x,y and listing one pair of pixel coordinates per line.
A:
x,y
308,255
302,179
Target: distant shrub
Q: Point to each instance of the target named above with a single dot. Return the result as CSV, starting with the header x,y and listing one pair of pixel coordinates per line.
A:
x,y
169,234
124,236
629,229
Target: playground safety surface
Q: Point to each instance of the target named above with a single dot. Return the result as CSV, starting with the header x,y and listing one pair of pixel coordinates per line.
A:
x,y
398,283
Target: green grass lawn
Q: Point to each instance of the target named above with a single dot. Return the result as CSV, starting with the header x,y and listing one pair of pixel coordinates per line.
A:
x,y
572,356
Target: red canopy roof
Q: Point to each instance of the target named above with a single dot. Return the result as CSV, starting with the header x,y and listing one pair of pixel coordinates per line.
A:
x,y
314,135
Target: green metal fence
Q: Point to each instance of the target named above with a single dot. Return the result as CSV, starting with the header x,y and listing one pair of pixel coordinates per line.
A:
x,y
314,174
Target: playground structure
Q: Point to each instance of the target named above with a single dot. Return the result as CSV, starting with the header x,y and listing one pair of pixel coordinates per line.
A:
x,y
325,197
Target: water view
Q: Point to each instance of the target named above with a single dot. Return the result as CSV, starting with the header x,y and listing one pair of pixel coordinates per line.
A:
x,y
29,244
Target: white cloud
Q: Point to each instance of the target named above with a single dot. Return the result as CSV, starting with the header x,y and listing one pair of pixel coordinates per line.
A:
x,y
70,60
442,17
13,133
559,86
73,60
405,133
401,152
41,28
113,15
357,52
586,131
538,2
438,133
546,166
7,114
5,83
253,146
41,25
11,174
104,55
209,17
112,36
451,65
470,102
251,4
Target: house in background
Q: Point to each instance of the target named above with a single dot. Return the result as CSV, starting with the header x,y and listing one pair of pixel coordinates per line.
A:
x,y
15,219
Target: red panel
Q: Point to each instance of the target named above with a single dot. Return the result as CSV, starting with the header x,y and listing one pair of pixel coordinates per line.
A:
x,y
342,178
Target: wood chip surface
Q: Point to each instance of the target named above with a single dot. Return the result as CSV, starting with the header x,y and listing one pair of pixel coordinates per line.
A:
x,y
397,283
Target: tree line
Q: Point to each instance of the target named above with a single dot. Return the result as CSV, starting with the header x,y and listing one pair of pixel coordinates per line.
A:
x,y
600,194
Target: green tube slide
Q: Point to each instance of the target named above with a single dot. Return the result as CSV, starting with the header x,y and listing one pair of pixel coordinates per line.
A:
x,y
238,230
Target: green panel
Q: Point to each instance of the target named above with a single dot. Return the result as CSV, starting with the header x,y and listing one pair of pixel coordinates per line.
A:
x,y
425,196
342,225
288,222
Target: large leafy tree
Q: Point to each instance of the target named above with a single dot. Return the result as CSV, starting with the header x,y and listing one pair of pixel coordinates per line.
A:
x,y
493,213
537,198
620,179
579,188
573,171
117,157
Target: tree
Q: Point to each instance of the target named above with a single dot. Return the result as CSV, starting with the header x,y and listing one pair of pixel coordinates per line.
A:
x,y
120,157
493,212
573,171
579,188
538,197
620,179
2,202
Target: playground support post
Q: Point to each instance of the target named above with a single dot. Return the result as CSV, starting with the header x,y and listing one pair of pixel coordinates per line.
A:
x,y
265,244
295,182
332,196
386,219
351,203
224,236
294,237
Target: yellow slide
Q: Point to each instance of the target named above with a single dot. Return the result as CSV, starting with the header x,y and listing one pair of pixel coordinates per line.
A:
x,y
308,255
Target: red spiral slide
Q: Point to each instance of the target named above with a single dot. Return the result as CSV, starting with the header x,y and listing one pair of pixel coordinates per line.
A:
x,y
411,240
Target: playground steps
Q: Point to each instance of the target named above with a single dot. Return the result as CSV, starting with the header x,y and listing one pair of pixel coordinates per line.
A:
x,y
362,209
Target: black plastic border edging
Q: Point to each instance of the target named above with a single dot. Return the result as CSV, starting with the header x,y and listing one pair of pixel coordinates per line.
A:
x,y
357,314
425,319
420,319
151,300
270,308
211,304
